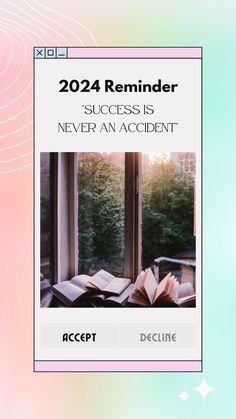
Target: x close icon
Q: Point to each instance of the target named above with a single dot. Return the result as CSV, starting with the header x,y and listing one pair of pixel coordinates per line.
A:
x,y
39,52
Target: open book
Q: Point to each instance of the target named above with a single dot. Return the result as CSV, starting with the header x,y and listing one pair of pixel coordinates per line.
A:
x,y
187,296
70,292
105,300
165,294
106,282
81,287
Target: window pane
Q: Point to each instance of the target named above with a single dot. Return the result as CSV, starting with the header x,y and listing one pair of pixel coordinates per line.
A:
x,y
168,207
101,180
45,215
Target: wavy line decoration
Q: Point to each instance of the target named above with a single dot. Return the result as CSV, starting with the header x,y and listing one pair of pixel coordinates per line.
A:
x,y
23,25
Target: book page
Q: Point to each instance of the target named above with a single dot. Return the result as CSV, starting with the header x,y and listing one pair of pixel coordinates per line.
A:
x,y
138,299
188,301
139,280
150,285
101,279
69,291
117,285
81,281
119,299
186,289
175,293
162,286
139,286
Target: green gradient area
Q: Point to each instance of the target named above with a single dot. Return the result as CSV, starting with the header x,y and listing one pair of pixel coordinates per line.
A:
x,y
212,26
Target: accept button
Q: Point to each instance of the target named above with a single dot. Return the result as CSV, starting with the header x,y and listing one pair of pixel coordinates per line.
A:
x,y
79,336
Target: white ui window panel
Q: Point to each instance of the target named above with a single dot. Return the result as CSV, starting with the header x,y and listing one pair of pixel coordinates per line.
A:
x,y
117,189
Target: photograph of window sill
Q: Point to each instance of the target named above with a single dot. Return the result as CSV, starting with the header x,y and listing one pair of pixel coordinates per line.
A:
x,y
118,213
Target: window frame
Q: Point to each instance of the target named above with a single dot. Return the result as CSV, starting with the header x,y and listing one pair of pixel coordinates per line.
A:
x,y
63,195
133,214
64,252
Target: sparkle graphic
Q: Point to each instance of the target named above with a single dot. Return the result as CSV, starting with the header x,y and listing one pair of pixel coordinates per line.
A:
x,y
184,396
204,389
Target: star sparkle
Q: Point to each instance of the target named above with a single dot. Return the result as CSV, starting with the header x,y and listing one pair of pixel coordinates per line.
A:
x,y
204,389
184,396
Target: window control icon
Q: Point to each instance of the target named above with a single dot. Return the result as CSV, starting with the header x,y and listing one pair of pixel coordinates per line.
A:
x,y
39,53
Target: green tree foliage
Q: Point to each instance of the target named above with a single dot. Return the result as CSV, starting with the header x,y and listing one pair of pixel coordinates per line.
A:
x,y
101,213
168,195
167,211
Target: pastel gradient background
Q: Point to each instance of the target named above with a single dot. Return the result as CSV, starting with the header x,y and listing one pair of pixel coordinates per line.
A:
x,y
23,24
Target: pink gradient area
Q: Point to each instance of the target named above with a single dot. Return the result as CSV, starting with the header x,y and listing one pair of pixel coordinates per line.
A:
x,y
130,52
6,50
16,304
121,366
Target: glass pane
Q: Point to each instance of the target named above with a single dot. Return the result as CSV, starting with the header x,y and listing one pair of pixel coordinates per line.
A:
x,y
101,180
168,207
45,215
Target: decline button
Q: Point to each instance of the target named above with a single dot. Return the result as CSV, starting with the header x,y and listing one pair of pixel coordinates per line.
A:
x,y
158,335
